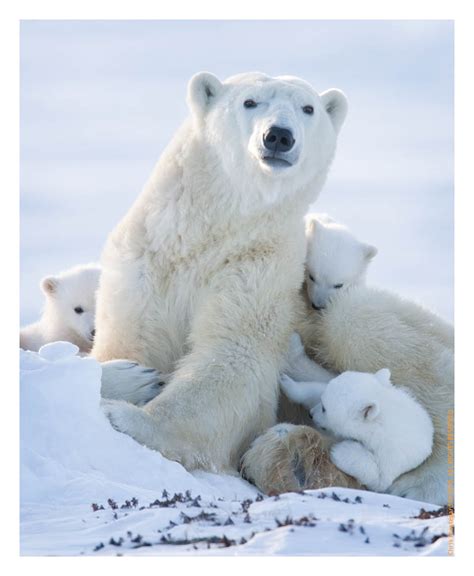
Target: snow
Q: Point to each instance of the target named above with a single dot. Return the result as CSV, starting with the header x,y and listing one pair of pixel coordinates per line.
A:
x,y
89,490
99,101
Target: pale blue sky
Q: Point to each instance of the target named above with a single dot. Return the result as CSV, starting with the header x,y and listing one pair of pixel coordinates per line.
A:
x,y
100,100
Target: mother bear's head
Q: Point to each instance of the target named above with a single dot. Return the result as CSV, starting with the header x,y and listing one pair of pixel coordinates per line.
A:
x,y
278,134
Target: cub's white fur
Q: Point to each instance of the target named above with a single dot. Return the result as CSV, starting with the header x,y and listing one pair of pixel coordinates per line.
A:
x,y
385,432
335,260
364,329
69,310
201,278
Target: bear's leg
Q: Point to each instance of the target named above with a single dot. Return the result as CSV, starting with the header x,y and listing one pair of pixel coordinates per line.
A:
x,y
428,482
130,381
206,415
292,458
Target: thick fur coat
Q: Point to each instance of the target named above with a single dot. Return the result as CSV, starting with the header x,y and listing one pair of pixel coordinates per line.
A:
x,y
201,278
366,329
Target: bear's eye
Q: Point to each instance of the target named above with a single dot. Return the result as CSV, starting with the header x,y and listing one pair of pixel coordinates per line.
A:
x,y
338,285
250,104
308,109
323,408
311,277
78,310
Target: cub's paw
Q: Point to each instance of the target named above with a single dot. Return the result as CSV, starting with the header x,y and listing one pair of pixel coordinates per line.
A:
x,y
296,348
343,454
288,385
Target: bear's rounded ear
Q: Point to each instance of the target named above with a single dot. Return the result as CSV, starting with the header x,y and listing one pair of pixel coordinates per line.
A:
x,y
49,285
370,251
383,376
335,104
203,89
370,411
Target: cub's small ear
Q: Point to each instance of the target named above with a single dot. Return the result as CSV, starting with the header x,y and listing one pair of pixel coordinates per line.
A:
x,y
335,104
49,285
370,411
383,376
370,251
203,90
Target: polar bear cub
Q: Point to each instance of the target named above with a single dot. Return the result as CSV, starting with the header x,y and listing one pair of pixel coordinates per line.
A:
x,y
380,430
335,259
69,311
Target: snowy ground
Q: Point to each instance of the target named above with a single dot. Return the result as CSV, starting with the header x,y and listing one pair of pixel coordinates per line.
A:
x,y
99,101
89,490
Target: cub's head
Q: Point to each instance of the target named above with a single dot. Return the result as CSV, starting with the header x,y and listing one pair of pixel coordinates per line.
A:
x,y
71,298
352,404
274,133
335,259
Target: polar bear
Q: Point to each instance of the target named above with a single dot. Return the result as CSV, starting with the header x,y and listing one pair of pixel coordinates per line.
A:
x,y
380,431
336,259
201,278
363,329
69,311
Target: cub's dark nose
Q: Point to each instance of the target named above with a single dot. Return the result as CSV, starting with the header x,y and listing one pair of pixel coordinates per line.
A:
x,y
317,307
278,139
93,333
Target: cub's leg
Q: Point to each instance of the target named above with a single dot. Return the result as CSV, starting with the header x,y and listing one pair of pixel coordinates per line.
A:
x,y
299,365
306,393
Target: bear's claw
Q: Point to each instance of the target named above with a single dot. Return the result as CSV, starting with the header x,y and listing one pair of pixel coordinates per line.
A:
x,y
130,381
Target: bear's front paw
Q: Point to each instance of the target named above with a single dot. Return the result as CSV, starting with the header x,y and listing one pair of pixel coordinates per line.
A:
x,y
122,415
130,381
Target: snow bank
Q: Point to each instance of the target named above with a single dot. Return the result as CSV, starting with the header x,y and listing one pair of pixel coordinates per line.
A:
x,y
87,489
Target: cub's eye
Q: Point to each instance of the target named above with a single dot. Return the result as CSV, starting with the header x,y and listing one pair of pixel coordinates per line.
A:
x,y
311,277
250,104
78,310
323,408
308,110
338,285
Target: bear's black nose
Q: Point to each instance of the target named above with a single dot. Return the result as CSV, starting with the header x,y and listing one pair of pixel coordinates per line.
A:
x,y
93,333
317,307
278,139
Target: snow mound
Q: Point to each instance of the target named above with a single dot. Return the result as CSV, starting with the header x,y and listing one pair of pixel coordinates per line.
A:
x,y
87,489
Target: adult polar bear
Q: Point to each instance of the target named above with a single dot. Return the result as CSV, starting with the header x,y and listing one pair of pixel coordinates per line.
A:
x,y
201,278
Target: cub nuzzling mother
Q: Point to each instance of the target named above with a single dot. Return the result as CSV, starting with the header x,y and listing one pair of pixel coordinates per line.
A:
x,y
201,279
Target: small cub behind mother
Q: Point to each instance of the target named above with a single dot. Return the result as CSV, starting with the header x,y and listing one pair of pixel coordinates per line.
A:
x,y
201,278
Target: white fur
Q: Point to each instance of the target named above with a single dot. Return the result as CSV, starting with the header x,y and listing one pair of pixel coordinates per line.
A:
x,y
336,259
380,431
125,380
364,329
201,277
72,289
384,430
